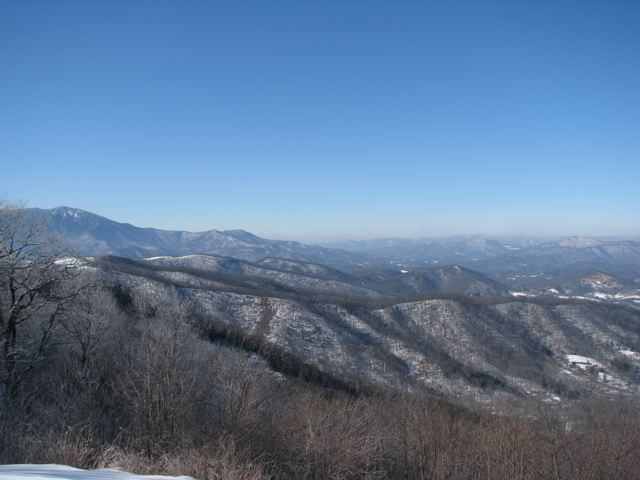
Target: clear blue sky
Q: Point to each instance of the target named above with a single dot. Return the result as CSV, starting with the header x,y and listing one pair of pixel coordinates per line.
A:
x,y
321,120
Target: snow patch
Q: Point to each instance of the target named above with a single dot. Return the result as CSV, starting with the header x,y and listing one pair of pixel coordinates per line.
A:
x,y
582,362
69,262
623,296
64,472
630,354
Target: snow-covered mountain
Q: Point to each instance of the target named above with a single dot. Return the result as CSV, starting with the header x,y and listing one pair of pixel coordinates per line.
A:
x,y
92,234
483,348
473,250
447,250
553,255
446,328
580,242
509,259
370,268
300,279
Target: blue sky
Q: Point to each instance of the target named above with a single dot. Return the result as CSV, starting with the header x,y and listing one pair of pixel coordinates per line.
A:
x,y
320,120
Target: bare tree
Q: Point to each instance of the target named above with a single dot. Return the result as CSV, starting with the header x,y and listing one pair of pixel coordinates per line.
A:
x,y
90,319
35,294
159,384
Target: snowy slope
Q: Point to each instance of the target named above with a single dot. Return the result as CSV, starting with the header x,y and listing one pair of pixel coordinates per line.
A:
x,y
44,472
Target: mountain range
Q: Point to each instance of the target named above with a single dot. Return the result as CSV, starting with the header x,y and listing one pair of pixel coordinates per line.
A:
x,y
485,349
534,265
91,234
481,317
499,255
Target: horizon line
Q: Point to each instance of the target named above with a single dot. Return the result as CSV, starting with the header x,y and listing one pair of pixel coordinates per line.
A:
x,y
337,239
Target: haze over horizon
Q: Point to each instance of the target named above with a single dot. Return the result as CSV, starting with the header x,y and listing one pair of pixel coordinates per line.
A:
x,y
327,121
337,239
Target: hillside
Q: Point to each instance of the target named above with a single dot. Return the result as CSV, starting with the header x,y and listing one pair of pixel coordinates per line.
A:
x,y
486,350
310,278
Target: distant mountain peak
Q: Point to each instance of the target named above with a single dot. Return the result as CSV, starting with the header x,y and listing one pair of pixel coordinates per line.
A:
x,y
70,212
244,236
580,242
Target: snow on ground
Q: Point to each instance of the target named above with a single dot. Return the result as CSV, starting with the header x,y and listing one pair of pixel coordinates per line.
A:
x,y
578,297
582,362
69,262
552,399
627,296
631,354
63,472
611,380
587,364
72,262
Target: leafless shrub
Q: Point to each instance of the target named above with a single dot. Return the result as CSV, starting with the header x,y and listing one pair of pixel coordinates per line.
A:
x,y
329,438
215,462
